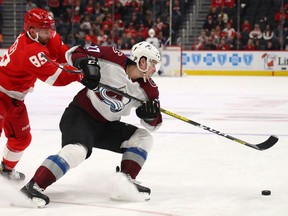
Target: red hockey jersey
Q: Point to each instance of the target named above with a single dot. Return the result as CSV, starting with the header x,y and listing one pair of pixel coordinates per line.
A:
x,y
23,64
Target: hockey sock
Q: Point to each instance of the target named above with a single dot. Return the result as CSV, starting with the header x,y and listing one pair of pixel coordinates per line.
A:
x,y
52,169
132,161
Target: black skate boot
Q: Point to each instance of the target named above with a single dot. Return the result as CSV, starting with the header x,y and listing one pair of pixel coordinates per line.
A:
x,y
143,193
34,192
11,175
140,188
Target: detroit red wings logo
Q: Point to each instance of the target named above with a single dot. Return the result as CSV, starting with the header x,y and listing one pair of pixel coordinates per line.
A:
x,y
269,60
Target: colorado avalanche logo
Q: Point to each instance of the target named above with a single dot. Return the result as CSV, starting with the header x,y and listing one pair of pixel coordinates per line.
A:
x,y
221,58
196,58
113,100
248,59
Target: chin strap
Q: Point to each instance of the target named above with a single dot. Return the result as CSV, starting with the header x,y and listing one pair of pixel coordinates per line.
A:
x,y
34,39
144,71
144,77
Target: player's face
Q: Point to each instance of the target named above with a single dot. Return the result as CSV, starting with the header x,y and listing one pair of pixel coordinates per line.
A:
x,y
152,68
44,35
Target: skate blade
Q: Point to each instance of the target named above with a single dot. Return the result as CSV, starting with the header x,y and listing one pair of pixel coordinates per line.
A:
x,y
140,197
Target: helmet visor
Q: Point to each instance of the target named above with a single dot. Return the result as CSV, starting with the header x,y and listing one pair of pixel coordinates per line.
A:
x,y
158,66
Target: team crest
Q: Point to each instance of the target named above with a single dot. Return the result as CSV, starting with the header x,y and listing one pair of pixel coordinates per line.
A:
x,y
269,60
247,58
222,58
196,58
115,101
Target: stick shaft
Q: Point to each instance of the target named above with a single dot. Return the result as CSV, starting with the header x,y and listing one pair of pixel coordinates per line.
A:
x,y
262,146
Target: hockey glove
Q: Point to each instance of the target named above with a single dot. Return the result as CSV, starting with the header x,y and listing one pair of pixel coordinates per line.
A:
x,y
91,70
149,110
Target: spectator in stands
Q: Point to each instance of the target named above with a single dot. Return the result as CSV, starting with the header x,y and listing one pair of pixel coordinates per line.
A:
x,y
238,41
256,33
30,5
109,42
93,37
224,16
229,3
89,9
88,41
76,17
210,45
280,35
217,3
220,21
143,30
98,10
198,45
229,32
203,38
176,13
102,37
217,33
131,29
246,27
215,37
107,21
148,21
268,34
80,35
85,24
119,44
223,45
54,6
133,4
281,16
250,45
214,13
209,24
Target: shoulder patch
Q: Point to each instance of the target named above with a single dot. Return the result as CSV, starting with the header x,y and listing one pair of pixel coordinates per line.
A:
x,y
152,83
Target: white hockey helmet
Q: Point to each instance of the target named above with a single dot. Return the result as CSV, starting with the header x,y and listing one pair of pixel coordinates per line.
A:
x,y
151,32
147,50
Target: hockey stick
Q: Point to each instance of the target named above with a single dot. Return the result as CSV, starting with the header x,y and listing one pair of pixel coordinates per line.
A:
x,y
61,66
261,146
272,140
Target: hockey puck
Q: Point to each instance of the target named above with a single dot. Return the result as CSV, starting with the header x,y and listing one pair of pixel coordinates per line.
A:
x,y
266,192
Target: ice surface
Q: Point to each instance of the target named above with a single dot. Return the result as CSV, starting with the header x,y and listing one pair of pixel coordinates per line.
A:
x,y
190,171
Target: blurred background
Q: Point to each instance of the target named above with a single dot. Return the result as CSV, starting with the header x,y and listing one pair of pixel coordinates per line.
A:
x,y
191,24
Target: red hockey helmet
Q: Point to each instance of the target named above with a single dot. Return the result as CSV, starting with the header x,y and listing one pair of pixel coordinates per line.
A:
x,y
38,18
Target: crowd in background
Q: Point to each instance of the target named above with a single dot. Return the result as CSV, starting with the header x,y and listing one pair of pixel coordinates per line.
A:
x,y
121,24
126,22
221,32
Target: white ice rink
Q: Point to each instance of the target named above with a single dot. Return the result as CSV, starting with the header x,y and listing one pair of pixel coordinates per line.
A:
x,y
190,171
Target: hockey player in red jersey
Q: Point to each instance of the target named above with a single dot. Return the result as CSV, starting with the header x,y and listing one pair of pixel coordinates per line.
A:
x,y
93,119
20,67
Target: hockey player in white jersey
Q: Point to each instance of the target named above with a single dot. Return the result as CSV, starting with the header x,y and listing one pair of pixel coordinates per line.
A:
x,y
93,119
157,43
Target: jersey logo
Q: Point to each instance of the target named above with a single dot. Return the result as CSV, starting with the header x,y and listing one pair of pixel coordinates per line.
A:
x,y
115,101
152,83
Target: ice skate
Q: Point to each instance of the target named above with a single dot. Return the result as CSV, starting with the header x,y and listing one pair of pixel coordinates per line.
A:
x,y
11,175
128,189
34,192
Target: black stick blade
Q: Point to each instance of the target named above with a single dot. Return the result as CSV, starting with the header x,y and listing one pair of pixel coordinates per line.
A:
x,y
272,140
